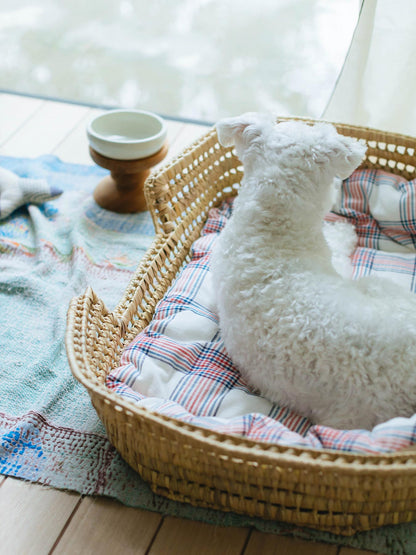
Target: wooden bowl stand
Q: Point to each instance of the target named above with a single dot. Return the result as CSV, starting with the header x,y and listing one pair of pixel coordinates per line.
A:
x,y
122,191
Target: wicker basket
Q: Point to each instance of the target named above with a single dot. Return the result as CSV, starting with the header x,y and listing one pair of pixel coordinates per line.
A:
x,y
327,490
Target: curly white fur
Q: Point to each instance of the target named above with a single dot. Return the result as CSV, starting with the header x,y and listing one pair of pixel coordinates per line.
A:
x,y
340,352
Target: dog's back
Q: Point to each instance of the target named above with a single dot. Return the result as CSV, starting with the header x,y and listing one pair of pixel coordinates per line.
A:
x,y
338,351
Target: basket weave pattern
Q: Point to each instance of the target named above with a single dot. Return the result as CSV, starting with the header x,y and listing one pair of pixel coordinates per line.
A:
x,y
338,492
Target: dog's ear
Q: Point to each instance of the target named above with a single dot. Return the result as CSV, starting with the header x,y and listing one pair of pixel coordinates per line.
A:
x,y
250,125
343,154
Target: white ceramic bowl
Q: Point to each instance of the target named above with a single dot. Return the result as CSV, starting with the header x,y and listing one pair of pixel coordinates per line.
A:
x,y
127,134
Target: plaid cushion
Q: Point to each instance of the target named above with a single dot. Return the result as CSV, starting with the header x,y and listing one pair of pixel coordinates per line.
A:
x,y
381,206
178,365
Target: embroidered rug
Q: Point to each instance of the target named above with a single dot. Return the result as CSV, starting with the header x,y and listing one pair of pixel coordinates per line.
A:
x,y
49,432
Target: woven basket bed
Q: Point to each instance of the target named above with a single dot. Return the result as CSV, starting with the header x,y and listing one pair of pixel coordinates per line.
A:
x,y
327,490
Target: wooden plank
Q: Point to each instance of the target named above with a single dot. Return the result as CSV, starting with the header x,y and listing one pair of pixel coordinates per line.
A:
x,y
284,545
187,136
74,147
106,526
14,111
178,537
175,128
32,516
44,130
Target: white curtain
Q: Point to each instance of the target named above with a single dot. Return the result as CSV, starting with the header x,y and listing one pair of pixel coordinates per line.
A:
x,y
377,85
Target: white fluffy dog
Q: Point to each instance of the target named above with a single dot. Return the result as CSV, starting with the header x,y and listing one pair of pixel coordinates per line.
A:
x,y
341,352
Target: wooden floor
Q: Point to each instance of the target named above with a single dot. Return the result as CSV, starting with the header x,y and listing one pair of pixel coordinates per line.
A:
x,y
38,520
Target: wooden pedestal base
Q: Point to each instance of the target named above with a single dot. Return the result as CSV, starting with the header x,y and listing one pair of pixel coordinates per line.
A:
x,y
123,190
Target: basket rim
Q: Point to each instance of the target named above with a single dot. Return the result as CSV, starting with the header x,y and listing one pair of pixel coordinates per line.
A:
x,y
403,462
405,140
